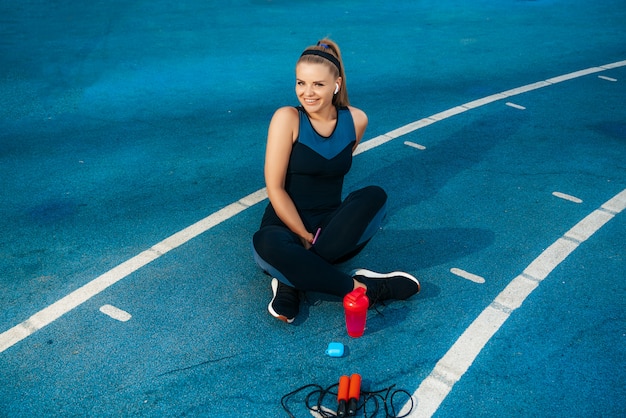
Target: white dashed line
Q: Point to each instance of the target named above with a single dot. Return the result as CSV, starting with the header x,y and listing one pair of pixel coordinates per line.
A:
x,y
567,197
469,276
516,106
115,313
603,77
414,145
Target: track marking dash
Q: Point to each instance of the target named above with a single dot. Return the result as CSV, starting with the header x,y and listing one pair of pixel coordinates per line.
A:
x,y
469,276
115,313
516,106
414,145
567,197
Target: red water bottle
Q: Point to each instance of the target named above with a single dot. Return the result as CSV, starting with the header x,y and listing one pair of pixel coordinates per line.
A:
x,y
355,304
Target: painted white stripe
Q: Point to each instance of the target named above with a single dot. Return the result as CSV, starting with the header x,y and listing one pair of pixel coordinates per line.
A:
x,y
410,127
485,100
614,65
573,75
453,365
588,226
115,313
469,276
603,77
414,145
567,197
51,313
516,106
526,88
372,143
449,113
617,204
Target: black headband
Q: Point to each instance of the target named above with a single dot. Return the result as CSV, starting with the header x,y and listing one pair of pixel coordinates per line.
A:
x,y
323,54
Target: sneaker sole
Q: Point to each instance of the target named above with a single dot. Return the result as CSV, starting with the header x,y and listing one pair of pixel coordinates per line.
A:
x,y
374,275
271,310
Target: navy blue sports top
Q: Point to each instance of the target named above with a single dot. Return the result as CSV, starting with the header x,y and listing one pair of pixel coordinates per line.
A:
x,y
317,166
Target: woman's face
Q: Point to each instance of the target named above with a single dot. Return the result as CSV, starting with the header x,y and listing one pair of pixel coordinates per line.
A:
x,y
315,86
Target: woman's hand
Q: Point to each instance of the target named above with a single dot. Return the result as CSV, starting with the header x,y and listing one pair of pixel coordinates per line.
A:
x,y
307,242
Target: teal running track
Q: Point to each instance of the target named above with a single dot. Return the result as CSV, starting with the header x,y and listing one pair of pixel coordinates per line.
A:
x,y
132,139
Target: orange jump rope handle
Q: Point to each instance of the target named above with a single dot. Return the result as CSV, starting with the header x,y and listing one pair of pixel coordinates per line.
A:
x,y
342,395
354,394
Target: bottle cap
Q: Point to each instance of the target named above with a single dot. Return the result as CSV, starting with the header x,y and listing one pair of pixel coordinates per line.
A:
x,y
356,300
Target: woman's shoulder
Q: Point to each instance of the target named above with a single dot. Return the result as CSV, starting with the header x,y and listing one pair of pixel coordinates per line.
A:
x,y
285,121
359,117
286,116
286,113
357,113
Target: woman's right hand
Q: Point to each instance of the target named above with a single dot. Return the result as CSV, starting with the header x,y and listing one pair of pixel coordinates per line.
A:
x,y
307,242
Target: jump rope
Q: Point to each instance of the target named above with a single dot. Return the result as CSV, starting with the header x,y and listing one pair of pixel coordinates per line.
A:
x,y
350,399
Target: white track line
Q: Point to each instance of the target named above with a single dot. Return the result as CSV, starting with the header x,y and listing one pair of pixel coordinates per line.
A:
x,y
414,145
434,389
516,106
466,275
49,314
115,313
567,197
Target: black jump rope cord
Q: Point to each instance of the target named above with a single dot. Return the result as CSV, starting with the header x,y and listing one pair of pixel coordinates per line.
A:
x,y
315,404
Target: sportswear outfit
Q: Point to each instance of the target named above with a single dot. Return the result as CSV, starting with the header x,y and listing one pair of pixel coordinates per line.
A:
x,y
314,181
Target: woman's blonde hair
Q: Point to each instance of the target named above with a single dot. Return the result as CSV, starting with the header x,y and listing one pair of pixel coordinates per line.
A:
x,y
327,52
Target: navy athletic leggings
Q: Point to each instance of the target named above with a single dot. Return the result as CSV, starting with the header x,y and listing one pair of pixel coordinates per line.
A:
x,y
344,233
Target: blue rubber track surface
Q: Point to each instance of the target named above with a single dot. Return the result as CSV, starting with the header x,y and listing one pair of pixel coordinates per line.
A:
x,y
132,138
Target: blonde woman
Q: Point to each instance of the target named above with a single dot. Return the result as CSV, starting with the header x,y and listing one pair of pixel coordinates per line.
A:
x,y
307,229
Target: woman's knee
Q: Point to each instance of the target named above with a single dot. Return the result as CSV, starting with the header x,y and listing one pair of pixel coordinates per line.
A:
x,y
374,195
263,242
378,194
268,241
